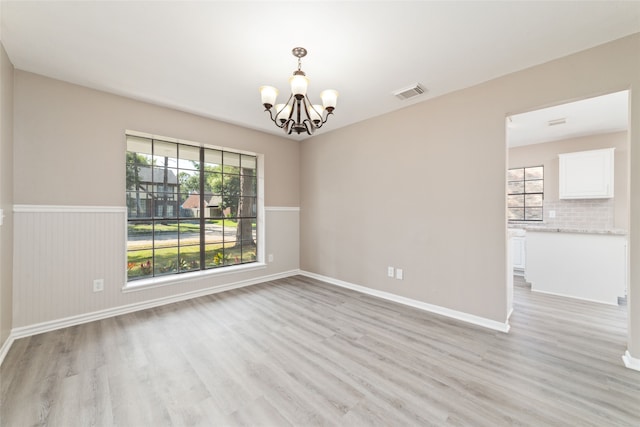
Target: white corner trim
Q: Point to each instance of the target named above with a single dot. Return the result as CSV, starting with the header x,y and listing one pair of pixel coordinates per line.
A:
x,y
282,208
53,325
6,346
458,315
630,361
69,209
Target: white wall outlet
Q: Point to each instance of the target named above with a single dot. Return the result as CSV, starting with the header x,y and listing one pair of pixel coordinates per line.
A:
x,y
390,271
98,285
399,274
552,214
270,257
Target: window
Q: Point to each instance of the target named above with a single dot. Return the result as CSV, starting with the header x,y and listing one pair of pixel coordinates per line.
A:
x,y
188,208
525,193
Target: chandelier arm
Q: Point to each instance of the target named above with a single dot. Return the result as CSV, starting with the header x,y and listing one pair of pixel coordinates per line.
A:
x,y
285,104
308,123
313,108
298,105
273,118
306,107
310,126
289,124
329,113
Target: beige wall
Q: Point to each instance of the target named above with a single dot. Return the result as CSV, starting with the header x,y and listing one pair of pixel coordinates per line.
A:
x,y
6,194
69,151
546,154
423,188
70,144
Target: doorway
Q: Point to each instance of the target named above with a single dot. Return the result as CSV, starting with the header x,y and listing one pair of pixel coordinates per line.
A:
x,y
541,213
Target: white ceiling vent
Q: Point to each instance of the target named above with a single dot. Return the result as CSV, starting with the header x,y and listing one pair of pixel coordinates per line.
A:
x,y
410,92
557,122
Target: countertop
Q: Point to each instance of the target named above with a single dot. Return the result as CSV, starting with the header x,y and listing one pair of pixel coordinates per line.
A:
x,y
555,229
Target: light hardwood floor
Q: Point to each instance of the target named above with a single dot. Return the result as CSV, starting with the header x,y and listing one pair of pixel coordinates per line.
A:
x,y
300,352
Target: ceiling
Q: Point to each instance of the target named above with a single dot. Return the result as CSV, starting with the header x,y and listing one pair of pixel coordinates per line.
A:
x,y
601,114
210,57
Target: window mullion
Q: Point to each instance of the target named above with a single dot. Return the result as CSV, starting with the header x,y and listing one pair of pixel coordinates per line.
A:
x,y
153,212
202,211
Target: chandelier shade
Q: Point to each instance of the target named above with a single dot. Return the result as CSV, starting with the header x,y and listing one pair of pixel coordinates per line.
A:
x,y
329,98
298,114
269,95
299,84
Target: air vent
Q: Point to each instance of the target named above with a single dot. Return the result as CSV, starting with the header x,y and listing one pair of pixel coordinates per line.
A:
x,y
556,122
410,92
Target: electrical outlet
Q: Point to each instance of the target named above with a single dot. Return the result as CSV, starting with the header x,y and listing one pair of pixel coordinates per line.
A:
x,y
270,257
390,271
552,214
399,274
98,285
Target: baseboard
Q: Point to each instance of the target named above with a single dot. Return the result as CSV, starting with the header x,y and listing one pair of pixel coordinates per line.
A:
x,y
5,347
631,362
53,325
458,315
572,297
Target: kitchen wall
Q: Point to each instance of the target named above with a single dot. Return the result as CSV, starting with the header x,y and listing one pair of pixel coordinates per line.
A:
x,y
423,188
69,181
597,214
6,196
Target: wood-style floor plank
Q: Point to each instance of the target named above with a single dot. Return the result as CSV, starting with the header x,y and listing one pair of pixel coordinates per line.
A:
x,y
299,352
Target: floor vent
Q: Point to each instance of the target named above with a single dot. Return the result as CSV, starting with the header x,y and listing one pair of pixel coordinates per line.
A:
x,y
410,92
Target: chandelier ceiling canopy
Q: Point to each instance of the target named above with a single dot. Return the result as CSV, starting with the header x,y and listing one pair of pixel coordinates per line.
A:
x,y
298,114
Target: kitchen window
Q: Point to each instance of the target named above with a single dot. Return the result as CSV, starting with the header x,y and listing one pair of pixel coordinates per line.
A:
x,y
189,208
525,193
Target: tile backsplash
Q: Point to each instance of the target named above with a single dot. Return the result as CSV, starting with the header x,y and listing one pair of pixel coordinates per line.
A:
x,y
591,214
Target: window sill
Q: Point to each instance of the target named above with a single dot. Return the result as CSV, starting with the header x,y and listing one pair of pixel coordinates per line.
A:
x,y
174,279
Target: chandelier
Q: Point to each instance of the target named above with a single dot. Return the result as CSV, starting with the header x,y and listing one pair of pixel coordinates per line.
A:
x,y
298,114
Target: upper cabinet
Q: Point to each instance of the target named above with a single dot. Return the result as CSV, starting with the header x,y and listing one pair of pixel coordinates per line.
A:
x,y
587,174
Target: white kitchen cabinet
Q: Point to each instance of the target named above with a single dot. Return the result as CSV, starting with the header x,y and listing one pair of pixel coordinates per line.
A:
x,y
587,174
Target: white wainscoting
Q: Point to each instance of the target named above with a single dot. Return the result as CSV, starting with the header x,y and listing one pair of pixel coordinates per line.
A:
x,y
60,250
